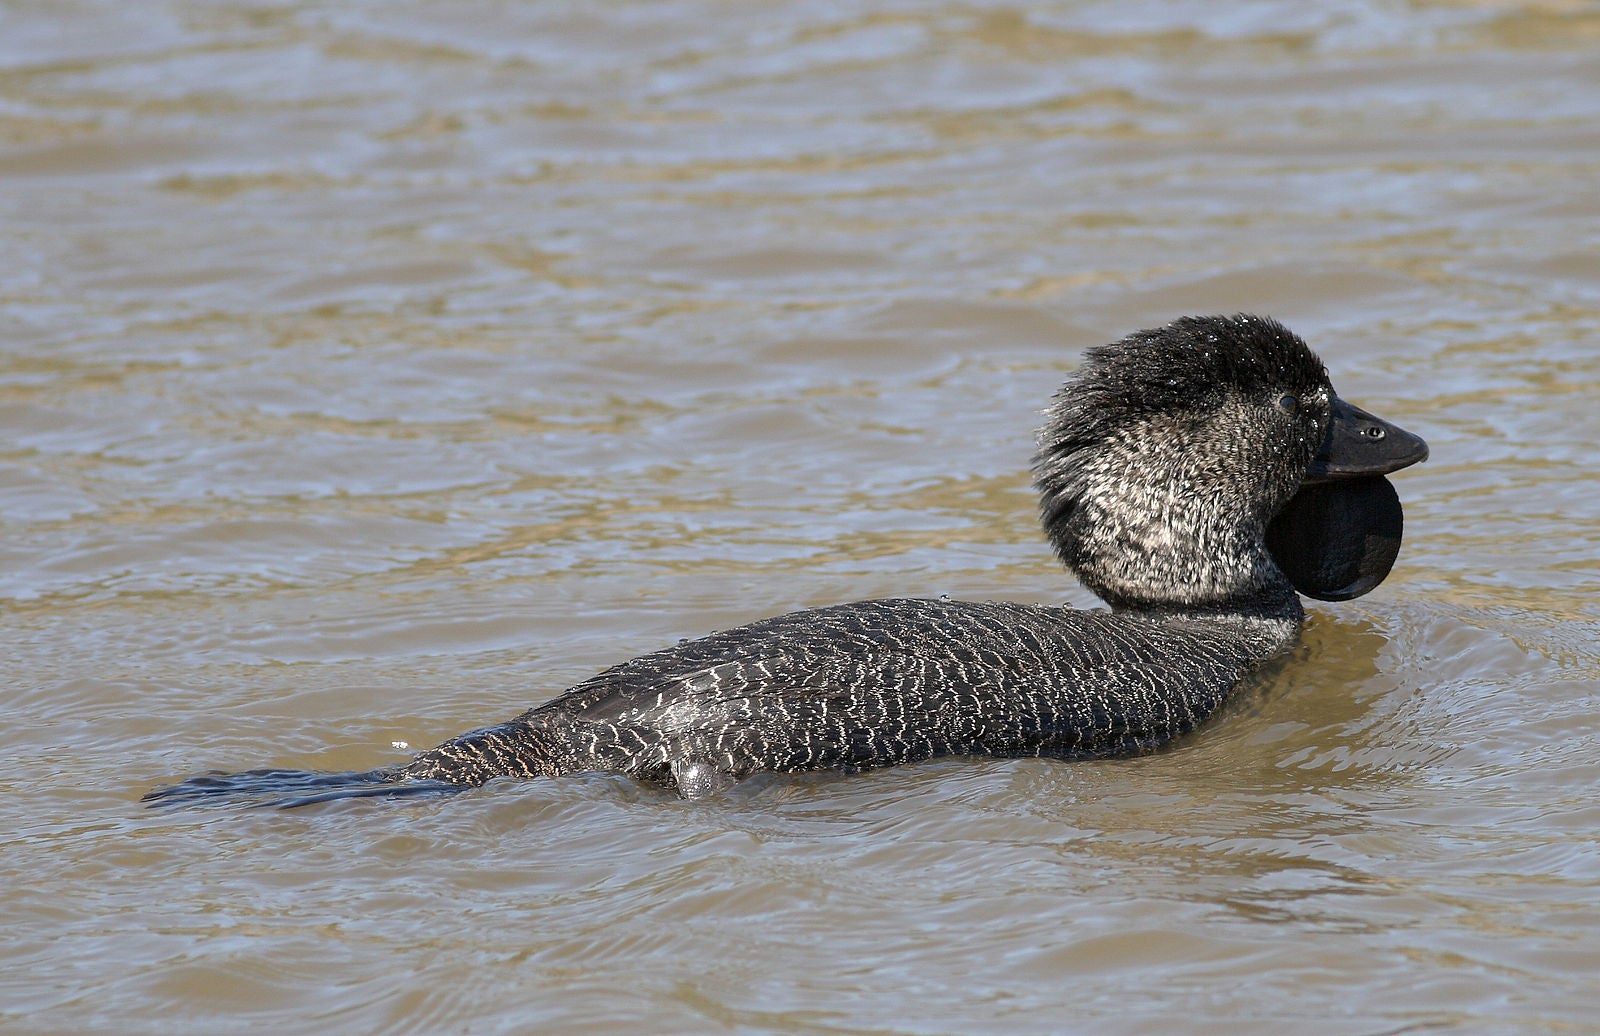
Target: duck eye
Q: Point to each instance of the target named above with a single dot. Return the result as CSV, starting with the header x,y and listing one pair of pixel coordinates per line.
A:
x,y
1288,404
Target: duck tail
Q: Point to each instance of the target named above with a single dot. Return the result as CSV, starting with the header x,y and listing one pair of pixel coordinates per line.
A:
x,y
287,789
515,749
525,747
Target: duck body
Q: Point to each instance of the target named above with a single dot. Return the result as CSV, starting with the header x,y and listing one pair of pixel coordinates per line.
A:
x,y
876,683
1192,476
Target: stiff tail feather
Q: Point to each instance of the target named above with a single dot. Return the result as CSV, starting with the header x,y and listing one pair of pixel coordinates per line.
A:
x,y
515,749
287,789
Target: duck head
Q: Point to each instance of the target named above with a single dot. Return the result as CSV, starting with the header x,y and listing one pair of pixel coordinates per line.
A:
x,y
1209,465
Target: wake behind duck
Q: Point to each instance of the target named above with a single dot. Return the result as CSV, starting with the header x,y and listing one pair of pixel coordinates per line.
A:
x,y
1197,477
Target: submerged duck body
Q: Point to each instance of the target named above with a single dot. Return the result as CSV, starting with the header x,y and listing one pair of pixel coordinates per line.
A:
x,y
877,683
1191,476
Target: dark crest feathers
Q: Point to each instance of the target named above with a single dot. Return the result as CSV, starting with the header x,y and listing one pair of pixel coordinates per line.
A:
x,y
1188,365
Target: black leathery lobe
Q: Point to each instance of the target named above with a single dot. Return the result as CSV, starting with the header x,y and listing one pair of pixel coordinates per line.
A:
x,y
1338,540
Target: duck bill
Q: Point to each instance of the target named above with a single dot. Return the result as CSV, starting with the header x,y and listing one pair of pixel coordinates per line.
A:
x,y
1358,445
1340,534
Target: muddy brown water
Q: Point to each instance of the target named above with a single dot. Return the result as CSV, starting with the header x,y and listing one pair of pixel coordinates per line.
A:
x,y
369,372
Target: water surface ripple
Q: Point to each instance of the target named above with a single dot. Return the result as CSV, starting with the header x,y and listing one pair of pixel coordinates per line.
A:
x,y
371,371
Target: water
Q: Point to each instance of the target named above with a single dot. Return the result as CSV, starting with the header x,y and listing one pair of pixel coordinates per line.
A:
x,y
372,371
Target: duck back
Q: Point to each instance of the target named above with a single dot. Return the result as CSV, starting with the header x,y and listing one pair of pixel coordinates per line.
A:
x,y
876,683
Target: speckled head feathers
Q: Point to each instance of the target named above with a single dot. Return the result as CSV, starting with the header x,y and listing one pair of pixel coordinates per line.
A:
x,y
1165,455
1191,365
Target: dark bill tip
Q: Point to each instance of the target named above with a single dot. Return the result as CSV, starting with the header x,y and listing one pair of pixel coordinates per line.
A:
x,y
1359,445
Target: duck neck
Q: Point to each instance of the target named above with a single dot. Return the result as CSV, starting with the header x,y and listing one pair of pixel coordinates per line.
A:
x,y
1191,544
1213,575
1272,608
